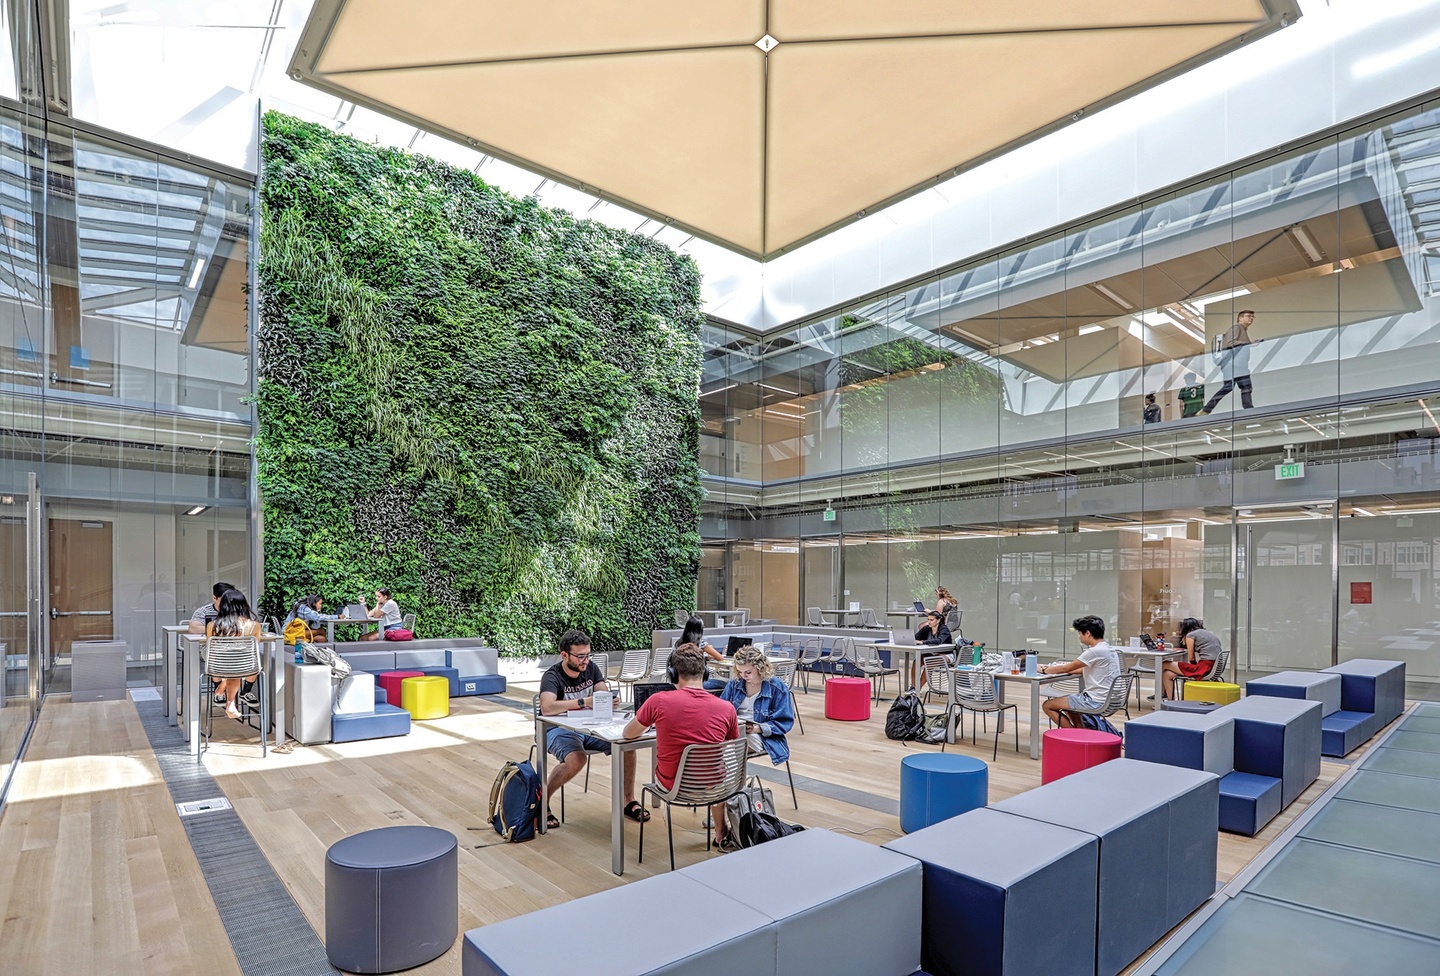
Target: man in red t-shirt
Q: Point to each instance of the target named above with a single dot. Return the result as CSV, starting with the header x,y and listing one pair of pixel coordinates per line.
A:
x,y
687,715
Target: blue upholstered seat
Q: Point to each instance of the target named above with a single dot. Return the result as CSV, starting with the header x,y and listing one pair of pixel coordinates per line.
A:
x,y
1248,801
1342,731
386,720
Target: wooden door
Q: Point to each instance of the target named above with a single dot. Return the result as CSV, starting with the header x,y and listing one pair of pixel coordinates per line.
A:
x,y
12,587
81,583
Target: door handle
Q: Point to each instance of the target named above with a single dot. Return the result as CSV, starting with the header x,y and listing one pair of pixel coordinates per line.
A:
x,y
54,614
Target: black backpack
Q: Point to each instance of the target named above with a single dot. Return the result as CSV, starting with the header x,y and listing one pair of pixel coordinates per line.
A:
x,y
759,827
906,719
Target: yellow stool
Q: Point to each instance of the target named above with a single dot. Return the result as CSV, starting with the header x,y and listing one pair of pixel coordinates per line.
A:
x,y
1220,692
426,697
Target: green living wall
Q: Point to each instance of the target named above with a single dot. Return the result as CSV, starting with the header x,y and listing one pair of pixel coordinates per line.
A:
x,y
485,405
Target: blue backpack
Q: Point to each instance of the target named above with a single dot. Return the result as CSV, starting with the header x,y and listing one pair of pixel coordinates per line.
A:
x,y
515,801
1099,724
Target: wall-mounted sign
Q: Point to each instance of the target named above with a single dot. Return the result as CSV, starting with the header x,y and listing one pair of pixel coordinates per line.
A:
x,y
829,514
1289,469
1360,592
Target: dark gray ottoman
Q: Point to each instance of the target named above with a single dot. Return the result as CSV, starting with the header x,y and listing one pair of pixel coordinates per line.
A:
x,y
392,898
839,906
1006,894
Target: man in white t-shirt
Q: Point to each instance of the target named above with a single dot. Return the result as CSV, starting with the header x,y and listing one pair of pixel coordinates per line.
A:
x,y
1100,665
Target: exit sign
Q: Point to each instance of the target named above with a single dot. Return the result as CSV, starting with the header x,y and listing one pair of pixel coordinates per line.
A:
x,y
829,514
1292,469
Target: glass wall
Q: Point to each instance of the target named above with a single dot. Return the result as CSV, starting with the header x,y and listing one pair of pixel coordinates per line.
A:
x,y
125,363
1088,423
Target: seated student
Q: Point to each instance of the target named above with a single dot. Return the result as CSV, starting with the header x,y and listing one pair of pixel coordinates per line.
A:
x,y
694,633
685,716
386,610
207,612
307,611
944,602
234,619
566,687
757,693
933,631
1100,665
1202,650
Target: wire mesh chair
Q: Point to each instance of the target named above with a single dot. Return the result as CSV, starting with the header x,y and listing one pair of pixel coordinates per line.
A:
x,y
937,675
682,617
602,661
785,673
866,659
1117,698
232,657
709,773
634,666
952,620
408,622
744,617
660,660
975,692
535,704
810,655
1216,673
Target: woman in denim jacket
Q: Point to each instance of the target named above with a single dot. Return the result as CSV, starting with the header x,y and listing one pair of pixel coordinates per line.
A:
x,y
771,712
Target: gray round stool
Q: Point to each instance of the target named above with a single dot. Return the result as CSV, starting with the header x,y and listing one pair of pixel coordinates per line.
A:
x,y
392,898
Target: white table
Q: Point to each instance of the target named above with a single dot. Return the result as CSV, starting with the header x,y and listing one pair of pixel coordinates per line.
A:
x,y
612,733
167,670
364,626
271,646
1157,662
911,655
909,615
1001,679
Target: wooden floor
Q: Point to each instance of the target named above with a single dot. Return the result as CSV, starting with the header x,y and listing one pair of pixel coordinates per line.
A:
x,y
95,865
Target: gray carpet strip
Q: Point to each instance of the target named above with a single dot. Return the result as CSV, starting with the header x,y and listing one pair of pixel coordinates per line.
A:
x,y
269,934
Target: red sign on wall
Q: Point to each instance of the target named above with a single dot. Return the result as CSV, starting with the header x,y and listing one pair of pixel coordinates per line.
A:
x,y
1359,592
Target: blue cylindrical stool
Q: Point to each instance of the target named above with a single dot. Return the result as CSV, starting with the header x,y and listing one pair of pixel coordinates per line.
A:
x,y
938,786
391,898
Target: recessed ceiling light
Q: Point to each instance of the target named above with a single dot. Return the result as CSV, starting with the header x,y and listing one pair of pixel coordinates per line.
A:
x,y
197,510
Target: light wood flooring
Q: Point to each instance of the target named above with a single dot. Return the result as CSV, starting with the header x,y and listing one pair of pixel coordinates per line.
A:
x,y
96,869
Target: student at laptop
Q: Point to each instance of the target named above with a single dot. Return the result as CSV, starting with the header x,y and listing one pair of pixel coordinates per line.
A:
x,y
1098,664
944,602
209,611
933,631
386,610
567,687
694,633
683,717
308,611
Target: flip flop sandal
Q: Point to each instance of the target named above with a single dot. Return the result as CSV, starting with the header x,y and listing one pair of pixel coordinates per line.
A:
x,y
634,811
552,822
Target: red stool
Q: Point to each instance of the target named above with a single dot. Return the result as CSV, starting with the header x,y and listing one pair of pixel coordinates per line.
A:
x,y
1067,751
847,699
390,681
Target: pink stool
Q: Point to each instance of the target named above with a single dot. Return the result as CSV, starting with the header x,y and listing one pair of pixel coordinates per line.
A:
x,y
1068,751
390,681
847,699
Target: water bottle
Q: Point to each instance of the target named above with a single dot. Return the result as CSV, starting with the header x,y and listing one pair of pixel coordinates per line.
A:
x,y
299,654
976,653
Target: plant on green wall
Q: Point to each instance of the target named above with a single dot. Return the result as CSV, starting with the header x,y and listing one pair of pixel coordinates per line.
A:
x,y
485,405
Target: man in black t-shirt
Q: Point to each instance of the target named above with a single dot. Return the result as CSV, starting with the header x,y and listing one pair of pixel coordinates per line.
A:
x,y
570,686
204,614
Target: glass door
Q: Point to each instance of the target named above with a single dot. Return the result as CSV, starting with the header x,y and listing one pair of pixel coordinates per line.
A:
x,y
1284,588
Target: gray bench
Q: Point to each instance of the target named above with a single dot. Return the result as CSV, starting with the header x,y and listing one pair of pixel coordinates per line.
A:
x,y
812,904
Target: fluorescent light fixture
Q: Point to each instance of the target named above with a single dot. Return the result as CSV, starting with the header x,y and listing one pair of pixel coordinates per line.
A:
x,y
1091,329
195,275
1360,511
1110,294
1426,408
197,509
722,389
1307,243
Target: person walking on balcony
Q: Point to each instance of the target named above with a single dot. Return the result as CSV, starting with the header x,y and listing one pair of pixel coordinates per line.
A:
x,y
1235,362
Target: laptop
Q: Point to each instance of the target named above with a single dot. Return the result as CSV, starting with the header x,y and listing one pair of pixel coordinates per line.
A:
x,y
905,638
354,611
736,642
644,691
919,607
1148,641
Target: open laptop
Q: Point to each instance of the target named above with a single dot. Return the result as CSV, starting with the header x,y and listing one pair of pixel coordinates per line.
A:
x,y
644,691
354,611
736,642
904,638
919,607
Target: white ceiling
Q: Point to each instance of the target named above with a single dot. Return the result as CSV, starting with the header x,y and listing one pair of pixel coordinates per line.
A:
x,y
672,108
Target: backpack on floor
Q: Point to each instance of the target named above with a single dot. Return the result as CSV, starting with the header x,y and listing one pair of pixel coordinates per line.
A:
x,y
906,719
1099,724
515,801
758,827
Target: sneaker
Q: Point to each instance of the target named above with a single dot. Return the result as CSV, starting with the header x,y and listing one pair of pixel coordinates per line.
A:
x,y
250,700
219,699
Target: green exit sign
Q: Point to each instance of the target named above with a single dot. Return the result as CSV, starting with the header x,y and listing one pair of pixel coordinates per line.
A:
x,y
1292,469
829,514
